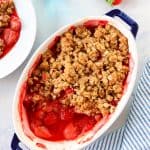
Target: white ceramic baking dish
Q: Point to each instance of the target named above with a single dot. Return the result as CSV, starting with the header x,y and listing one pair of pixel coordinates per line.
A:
x,y
103,127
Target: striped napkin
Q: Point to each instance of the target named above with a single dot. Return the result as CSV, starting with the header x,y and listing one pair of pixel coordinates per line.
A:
x,y
135,134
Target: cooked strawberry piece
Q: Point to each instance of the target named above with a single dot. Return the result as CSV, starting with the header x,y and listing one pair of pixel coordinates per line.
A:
x,y
66,113
54,106
103,22
98,117
54,42
69,91
84,120
29,97
86,123
42,132
15,24
34,122
1,30
48,108
114,102
51,118
10,36
45,76
91,23
95,23
39,114
71,131
28,103
72,28
65,93
88,126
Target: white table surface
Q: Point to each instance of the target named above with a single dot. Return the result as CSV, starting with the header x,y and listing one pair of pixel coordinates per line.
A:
x,y
52,14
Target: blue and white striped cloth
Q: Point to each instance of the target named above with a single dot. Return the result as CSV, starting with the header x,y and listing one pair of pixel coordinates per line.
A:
x,y
135,134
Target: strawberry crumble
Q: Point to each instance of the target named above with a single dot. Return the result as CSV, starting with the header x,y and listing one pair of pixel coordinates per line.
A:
x,y
10,26
78,80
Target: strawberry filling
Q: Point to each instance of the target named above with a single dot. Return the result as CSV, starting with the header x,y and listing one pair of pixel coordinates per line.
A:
x,y
54,121
95,23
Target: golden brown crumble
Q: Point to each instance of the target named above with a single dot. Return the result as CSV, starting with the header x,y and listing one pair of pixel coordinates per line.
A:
x,y
94,64
6,9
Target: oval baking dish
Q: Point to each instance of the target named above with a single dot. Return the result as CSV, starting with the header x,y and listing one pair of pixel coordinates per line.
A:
x,y
20,114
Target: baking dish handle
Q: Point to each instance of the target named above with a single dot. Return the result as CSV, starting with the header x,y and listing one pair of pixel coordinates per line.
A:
x,y
126,19
15,143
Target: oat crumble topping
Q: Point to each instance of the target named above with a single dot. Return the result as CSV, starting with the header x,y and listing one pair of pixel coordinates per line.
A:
x,y
91,65
6,9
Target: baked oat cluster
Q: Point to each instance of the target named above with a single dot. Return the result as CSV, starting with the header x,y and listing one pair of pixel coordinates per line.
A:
x,y
6,9
89,65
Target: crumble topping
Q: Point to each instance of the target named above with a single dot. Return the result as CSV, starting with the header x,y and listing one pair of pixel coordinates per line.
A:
x,y
6,9
89,65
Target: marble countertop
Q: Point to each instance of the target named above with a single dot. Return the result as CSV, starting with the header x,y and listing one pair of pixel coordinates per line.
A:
x,y
52,14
